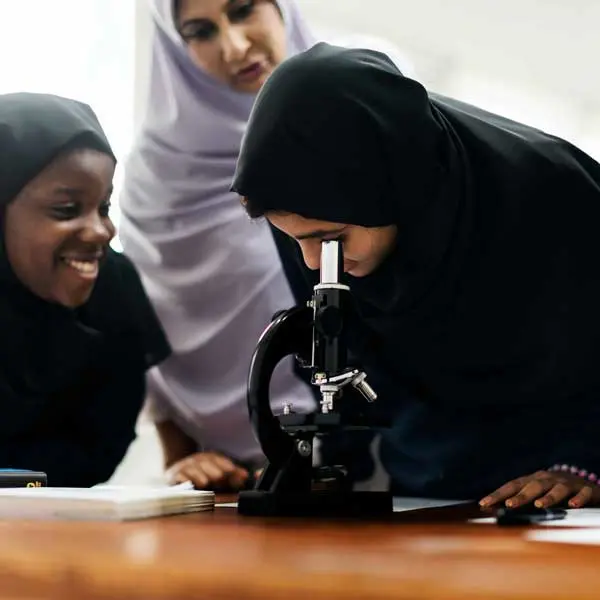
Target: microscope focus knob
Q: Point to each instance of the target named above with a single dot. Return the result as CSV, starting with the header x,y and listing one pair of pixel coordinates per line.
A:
x,y
329,321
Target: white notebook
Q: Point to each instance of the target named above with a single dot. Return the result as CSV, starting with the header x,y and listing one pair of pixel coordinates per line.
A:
x,y
103,503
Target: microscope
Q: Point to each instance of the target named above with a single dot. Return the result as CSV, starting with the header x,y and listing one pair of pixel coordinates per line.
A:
x,y
316,334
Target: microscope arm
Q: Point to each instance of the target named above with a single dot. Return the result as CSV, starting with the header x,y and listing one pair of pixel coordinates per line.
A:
x,y
289,330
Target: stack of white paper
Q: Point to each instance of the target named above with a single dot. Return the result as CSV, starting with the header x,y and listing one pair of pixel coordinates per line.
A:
x,y
105,503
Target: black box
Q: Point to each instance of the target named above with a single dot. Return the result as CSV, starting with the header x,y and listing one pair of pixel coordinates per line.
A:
x,y
10,478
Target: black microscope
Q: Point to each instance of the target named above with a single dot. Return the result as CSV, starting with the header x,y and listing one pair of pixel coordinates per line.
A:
x,y
316,334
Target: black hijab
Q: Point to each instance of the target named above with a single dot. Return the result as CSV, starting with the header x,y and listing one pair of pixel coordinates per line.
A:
x,y
46,348
491,295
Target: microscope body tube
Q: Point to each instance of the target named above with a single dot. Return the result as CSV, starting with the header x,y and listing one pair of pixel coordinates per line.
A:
x,y
329,353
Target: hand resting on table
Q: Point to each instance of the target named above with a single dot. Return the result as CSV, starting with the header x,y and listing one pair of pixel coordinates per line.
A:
x,y
208,471
544,489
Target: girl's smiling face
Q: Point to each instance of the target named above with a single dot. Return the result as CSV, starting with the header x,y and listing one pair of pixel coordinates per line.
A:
x,y
57,229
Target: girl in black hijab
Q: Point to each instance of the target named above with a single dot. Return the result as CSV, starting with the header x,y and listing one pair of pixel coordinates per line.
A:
x,y
78,332
472,250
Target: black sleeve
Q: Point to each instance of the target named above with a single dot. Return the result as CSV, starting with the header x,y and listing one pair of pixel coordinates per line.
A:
x,y
100,436
120,305
577,444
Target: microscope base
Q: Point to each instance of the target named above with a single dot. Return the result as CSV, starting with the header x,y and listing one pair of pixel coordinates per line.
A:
x,y
321,503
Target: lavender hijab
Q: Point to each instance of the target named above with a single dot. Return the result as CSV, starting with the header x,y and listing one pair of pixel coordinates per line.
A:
x,y
213,276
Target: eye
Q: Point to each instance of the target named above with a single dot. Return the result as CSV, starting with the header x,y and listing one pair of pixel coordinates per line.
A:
x,y
104,209
200,30
241,11
339,238
65,212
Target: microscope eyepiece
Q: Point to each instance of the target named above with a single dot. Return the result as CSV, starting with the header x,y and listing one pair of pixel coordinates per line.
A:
x,y
332,261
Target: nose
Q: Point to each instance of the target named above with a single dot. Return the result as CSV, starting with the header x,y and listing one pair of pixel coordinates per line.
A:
x,y
97,230
312,255
235,44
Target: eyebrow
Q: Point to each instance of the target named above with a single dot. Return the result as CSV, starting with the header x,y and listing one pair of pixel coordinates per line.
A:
x,y
63,190
318,233
193,20
75,193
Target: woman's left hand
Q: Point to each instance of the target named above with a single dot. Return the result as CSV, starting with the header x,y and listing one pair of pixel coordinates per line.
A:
x,y
545,488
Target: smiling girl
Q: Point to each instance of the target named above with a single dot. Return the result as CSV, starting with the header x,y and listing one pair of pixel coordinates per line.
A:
x,y
77,330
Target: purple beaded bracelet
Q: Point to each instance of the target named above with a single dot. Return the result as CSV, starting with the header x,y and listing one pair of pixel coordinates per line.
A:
x,y
573,470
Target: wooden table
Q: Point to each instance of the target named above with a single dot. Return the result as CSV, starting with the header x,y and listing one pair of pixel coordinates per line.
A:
x,y
215,556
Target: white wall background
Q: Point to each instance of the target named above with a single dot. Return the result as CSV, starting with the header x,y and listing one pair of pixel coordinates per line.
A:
x,y
550,43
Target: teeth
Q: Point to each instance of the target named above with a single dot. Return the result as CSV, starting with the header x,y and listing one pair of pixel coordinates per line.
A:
x,y
83,266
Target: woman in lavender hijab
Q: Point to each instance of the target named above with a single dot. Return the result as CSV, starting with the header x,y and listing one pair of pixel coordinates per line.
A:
x,y
214,276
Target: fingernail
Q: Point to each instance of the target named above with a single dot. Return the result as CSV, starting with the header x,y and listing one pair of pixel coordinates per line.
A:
x,y
538,504
574,503
485,501
509,503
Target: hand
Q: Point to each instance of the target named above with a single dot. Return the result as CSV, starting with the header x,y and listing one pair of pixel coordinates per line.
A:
x,y
208,471
545,488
